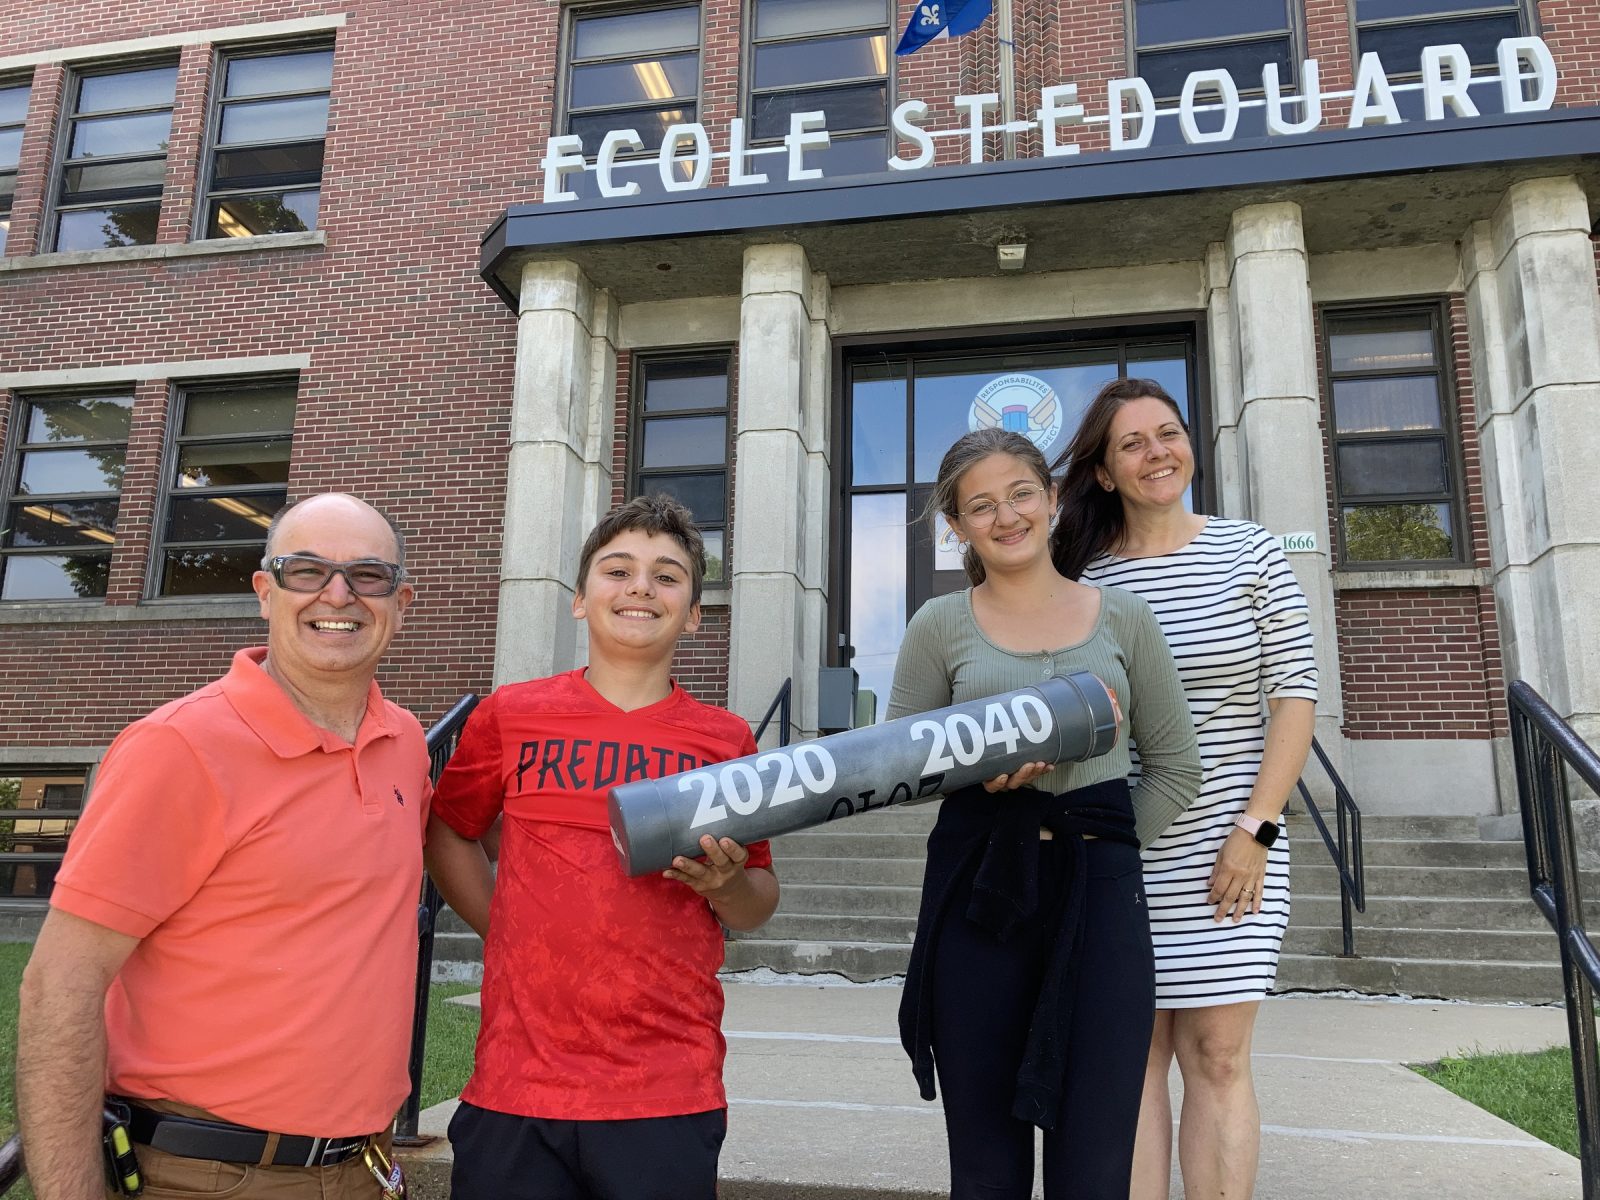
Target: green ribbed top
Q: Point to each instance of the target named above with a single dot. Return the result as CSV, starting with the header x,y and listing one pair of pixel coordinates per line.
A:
x,y
946,659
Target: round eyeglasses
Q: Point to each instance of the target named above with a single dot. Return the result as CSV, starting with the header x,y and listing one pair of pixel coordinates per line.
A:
x,y
308,573
982,513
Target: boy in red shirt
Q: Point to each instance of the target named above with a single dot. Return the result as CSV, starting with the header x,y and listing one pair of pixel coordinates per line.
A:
x,y
598,1073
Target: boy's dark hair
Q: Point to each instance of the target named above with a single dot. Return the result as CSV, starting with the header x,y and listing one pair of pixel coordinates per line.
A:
x,y
656,513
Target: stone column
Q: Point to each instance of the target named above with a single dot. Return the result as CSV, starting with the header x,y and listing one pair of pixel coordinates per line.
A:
x,y
1279,439
1535,326
1223,436
557,477
774,526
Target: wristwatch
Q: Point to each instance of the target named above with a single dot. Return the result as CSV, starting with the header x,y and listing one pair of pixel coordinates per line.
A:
x,y
1265,832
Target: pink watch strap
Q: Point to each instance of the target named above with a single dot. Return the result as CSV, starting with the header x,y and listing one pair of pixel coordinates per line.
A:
x,y
1249,824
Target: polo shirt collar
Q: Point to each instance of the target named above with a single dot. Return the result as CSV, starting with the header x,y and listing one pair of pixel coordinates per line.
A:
x,y
274,718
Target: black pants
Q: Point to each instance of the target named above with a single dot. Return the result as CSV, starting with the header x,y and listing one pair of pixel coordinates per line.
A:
x,y
983,999
499,1156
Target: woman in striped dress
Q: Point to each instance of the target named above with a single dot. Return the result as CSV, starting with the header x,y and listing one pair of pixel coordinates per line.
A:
x,y
1218,879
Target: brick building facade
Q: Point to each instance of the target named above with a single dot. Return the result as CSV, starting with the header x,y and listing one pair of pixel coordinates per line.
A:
x,y
305,221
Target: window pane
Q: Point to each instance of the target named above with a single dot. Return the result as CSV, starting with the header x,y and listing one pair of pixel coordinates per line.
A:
x,y
1165,70
1392,468
787,18
1252,123
715,558
264,410
275,120
301,72
1381,344
1399,47
1380,10
653,80
55,576
1485,94
45,472
878,425
63,523
1385,405
842,157
143,133
14,105
784,64
247,216
57,788
129,89
221,518
87,418
35,835
8,188
1162,22
107,228
858,106
650,124
636,33
585,186
142,174
703,495
1397,532
209,572
674,386
229,464
878,532
685,442
265,165
10,147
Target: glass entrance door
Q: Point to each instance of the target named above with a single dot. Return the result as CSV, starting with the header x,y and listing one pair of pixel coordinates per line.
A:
x,y
904,411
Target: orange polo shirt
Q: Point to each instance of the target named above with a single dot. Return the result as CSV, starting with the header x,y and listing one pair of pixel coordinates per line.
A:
x,y
271,871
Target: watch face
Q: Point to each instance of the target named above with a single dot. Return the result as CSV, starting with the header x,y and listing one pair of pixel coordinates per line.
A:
x,y
1267,834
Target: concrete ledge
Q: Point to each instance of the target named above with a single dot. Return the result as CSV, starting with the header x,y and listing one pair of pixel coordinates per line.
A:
x,y
119,254
1432,577
73,612
1422,776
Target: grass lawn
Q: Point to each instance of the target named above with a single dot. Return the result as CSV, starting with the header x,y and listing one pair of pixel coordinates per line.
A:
x,y
452,1029
1532,1091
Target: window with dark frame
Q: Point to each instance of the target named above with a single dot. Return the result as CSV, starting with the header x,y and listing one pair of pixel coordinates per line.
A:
x,y
1397,31
39,808
268,125
681,442
637,69
13,114
227,474
828,56
63,487
114,157
1396,482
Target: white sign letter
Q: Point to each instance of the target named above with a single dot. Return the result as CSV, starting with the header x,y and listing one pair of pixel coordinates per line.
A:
x,y
1446,72
562,156
1532,53
805,133
737,175
1374,98
975,107
1058,106
668,158
1224,84
1144,112
1310,99
617,139
905,119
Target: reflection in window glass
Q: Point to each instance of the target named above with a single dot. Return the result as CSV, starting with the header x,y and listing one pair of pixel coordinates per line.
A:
x,y
683,438
878,425
1398,533
13,113
1175,37
108,187
1397,30
878,529
39,808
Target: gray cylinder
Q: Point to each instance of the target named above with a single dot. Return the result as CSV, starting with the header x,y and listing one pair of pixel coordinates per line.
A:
x,y
1067,718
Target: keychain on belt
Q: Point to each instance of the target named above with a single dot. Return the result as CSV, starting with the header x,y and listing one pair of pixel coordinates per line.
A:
x,y
121,1166
386,1171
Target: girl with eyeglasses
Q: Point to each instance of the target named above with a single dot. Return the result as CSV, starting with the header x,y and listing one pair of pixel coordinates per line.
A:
x,y
1030,991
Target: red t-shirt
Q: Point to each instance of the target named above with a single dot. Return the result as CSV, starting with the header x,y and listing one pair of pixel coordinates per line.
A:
x,y
600,996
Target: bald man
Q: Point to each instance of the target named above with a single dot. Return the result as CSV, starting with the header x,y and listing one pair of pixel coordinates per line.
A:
x,y
230,952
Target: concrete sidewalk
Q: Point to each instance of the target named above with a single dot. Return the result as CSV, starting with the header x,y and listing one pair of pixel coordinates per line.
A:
x,y
822,1105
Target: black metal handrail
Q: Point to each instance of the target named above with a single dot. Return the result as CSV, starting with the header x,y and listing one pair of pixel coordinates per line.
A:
x,y
1349,860
1546,748
780,705
442,739
10,1163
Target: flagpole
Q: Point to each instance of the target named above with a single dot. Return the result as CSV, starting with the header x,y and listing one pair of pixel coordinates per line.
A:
x,y
1008,74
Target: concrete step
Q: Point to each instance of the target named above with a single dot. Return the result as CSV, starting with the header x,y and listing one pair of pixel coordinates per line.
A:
x,y
839,841
1441,829
1418,852
457,947
862,872
1489,980
860,961
1506,883
1419,912
812,927
887,901
1466,944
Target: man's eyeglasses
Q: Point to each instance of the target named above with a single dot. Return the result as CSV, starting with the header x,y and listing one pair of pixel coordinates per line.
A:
x,y
308,573
983,513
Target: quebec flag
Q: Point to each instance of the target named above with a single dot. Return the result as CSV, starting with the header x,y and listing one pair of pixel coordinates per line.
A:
x,y
942,18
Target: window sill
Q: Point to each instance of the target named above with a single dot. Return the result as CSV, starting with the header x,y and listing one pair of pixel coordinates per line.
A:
x,y
75,612
1396,578
83,258
716,595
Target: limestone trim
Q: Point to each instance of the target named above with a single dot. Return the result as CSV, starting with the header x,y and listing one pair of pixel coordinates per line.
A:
x,y
73,612
120,254
200,368
257,31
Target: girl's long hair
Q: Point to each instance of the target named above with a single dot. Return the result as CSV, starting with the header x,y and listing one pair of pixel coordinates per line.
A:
x,y
1090,520
969,450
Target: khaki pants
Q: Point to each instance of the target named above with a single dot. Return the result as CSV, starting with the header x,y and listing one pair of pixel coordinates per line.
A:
x,y
169,1175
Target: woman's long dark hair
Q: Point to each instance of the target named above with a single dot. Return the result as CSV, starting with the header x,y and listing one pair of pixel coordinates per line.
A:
x,y
969,450
1090,520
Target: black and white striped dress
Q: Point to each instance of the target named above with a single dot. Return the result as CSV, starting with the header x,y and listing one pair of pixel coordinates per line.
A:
x,y
1236,620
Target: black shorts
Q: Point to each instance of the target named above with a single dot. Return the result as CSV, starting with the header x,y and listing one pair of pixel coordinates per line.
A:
x,y
499,1156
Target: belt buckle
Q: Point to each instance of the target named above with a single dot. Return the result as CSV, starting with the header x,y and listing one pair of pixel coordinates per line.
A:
x,y
386,1171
